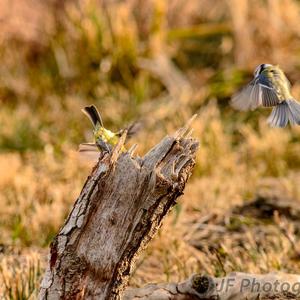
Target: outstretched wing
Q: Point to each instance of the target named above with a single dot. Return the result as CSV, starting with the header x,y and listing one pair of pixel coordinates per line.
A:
x,y
269,95
248,98
132,129
259,92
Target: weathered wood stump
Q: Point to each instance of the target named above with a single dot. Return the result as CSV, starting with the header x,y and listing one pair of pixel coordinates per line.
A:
x,y
120,208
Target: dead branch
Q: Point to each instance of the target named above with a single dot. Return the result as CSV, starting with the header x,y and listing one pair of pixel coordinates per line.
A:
x,y
120,208
235,286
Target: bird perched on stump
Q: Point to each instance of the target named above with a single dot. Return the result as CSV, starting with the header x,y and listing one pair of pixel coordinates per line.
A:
x,y
104,139
269,88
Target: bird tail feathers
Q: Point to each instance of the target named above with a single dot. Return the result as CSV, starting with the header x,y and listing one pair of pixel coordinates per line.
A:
x,y
93,114
287,111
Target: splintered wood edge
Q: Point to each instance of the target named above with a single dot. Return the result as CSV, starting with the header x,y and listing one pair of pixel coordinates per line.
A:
x,y
117,150
154,155
185,131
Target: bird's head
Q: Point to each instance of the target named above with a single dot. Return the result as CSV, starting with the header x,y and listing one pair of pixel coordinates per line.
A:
x,y
269,71
263,68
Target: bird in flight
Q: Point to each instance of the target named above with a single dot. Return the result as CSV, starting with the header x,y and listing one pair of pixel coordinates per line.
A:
x,y
269,88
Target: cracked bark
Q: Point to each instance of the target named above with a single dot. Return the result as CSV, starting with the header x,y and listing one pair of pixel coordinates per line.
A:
x,y
120,208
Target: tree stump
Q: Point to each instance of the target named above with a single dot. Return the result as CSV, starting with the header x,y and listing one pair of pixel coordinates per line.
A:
x,y
120,208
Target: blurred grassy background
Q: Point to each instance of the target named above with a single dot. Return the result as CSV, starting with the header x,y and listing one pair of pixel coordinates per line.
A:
x,y
160,62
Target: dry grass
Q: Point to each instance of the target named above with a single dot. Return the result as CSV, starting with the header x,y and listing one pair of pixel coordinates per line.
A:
x,y
160,63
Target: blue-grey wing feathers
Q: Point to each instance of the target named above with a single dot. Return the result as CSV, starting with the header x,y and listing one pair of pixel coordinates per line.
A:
x,y
269,97
249,98
259,92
